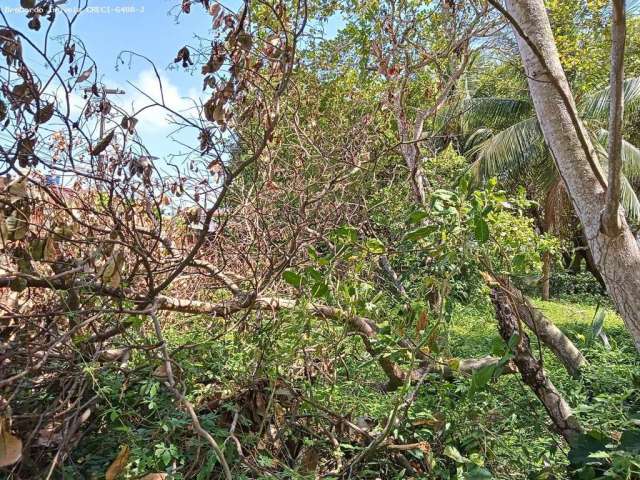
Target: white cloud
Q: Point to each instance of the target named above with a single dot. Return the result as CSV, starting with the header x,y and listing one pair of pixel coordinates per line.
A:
x,y
154,124
152,121
156,119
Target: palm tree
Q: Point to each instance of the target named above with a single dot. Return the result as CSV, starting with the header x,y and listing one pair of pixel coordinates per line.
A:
x,y
504,140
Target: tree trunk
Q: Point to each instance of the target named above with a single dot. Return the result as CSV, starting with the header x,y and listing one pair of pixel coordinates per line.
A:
x,y
531,370
617,257
546,276
611,214
411,154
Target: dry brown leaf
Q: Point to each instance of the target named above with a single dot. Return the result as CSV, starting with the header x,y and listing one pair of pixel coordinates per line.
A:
x,y
160,371
85,415
425,447
44,114
155,476
49,252
309,461
214,9
102,144
3,111
18,187
117,466
111,273
215,166
217,22
112,354
423,321
129,123
85,75
10,449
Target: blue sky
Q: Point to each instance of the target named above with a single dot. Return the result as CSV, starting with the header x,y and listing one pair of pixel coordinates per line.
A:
x,y
153,29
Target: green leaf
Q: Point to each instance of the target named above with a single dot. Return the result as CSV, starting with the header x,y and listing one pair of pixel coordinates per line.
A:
x,y
453,453
630,441
519,262
481,378
320,289
583,446
596,104
346,234
513,341
417,217
596,324
478,473
446,195
481,229
510,151
313,273
420,233
375,246
292,278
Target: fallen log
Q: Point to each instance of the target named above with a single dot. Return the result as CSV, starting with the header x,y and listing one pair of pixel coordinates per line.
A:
x,y
531,369
365,327
544,329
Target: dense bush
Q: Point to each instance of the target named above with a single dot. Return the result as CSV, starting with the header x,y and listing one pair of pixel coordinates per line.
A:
x,y
579,285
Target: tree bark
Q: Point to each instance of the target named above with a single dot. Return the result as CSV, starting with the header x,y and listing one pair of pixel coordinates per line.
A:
x,y
617,257
550,335
546,276
531,370
611,215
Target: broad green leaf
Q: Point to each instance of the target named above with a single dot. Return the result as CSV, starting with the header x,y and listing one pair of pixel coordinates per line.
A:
x,y
320,289
519,262
417,217
453,453
597,324
481,378
630,441
292,278
420,233
375,246
584,445
481,229
347,234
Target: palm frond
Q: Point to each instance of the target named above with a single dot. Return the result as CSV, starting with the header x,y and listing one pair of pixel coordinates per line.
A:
x,y
495,112
508,150
477,137
547,175
596,105
630,159
630,155
629,201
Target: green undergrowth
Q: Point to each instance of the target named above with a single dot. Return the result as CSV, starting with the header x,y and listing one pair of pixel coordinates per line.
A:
x,y
605,398
500,431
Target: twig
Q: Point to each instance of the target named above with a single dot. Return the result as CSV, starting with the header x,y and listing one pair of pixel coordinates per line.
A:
x,y
170,384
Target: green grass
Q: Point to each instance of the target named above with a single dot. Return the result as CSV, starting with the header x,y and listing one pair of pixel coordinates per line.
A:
x,y
604,398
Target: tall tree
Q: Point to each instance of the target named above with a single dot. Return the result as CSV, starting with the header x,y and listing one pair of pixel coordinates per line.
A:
x,y
616,253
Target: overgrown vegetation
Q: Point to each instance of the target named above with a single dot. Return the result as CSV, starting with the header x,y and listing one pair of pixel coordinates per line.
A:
x,y
372,255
